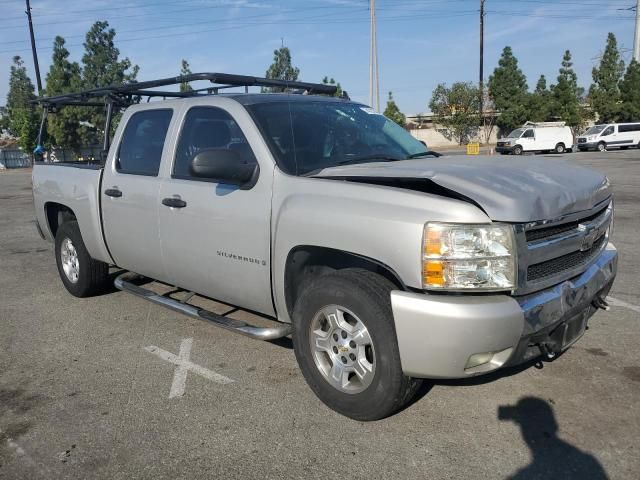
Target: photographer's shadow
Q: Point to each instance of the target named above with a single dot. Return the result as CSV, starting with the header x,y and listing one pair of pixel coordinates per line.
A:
x,y
552,456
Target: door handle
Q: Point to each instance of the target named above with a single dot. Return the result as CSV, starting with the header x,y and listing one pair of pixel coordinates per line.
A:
x,y
113,192
174,202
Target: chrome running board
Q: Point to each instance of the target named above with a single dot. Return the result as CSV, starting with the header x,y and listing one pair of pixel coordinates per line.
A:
x,y
123,282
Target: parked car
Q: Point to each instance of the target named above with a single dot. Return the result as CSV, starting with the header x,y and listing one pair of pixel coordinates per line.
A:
x,y
537,137
387,265
612,135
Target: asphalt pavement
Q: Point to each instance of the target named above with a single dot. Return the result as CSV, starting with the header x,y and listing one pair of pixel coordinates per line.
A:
x,y
112,387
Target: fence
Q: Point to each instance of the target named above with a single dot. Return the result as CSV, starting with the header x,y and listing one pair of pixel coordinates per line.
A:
x,y
68,155
14,158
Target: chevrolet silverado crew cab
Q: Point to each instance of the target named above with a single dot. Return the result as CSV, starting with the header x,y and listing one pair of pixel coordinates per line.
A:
x,y
385,263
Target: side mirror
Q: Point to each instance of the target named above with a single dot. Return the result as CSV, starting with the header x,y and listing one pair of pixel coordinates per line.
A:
x,y
223,166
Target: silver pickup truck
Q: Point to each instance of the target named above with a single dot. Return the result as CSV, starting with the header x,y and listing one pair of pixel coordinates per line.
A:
x,y
386,263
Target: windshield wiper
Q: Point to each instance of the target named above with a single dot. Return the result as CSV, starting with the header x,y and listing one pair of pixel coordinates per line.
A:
x,y
424,154
369,158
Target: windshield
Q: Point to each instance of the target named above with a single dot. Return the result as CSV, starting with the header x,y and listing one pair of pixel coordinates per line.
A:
x,y
306,136
596,129
517,133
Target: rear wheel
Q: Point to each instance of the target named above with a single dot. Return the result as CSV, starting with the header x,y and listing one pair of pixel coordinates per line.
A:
x,y
517,150
345,343
602,147
81,275
560,148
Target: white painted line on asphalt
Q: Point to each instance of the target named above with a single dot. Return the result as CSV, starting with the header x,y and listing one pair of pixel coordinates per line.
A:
x,y
183,366
621,303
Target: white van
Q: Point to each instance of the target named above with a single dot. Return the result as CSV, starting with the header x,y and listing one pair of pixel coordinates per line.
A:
x,y
606,136
537,137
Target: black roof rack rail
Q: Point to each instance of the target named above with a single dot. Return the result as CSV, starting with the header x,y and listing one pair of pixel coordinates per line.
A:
x,y
127,92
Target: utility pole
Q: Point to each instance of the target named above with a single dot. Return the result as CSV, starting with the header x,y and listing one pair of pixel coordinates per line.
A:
x,y
33,49
374,84
636,42
481,83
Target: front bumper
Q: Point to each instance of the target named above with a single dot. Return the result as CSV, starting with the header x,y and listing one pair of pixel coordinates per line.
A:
x,y
504,149
587,146
437,334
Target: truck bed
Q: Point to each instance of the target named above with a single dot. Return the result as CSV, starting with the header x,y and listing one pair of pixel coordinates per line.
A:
x,y
76,186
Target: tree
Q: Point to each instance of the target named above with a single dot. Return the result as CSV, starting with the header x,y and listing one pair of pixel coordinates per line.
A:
x,y
23,120
630,93
185,70
331,81
101,67
508,90
63,77
539,104
392,112
566,101
604,94
456,109
281,69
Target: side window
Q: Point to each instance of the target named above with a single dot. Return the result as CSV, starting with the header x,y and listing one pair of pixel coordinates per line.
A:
x,y
608,131
528,134
209,128
140,150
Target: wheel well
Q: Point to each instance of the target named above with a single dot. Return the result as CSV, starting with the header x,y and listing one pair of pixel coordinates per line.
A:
x,y
57,214
307,262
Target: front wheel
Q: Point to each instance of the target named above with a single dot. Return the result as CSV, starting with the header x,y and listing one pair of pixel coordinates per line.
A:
x,y
602,147
345,343
517,150
81,275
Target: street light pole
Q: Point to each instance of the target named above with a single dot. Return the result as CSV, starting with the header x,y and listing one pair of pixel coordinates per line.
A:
x,y
481,83
636,42
374,84
33,49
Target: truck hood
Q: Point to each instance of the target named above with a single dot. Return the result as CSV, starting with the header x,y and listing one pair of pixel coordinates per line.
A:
x,y
508,189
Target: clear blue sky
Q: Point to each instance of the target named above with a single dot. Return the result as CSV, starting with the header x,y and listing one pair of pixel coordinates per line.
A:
x,y
420,42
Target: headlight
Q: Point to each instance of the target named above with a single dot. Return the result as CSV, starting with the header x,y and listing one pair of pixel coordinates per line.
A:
x,y
468,257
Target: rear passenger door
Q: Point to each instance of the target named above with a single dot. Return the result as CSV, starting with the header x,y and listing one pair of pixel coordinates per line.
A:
x,y
216,242
129,193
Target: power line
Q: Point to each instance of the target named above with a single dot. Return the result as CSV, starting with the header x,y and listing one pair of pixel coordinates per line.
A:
x,y
300,21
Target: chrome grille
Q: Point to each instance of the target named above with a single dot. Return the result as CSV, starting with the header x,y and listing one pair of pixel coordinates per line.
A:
x,y
550,252
552,231
565,262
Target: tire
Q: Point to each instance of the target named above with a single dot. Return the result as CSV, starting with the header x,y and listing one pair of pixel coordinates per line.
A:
x,y
517,150
363,297
559,148
81,275
602,147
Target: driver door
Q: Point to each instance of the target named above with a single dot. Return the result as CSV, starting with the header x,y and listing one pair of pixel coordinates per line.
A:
x,y
216,241
528,140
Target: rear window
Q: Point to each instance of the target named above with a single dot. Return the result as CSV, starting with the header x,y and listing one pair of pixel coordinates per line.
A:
x,y
142,142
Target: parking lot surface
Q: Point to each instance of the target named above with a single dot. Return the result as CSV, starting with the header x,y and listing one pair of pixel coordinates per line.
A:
x,y
114,387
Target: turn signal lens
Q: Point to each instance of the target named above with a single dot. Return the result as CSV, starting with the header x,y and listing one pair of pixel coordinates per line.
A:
x,y
433,272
